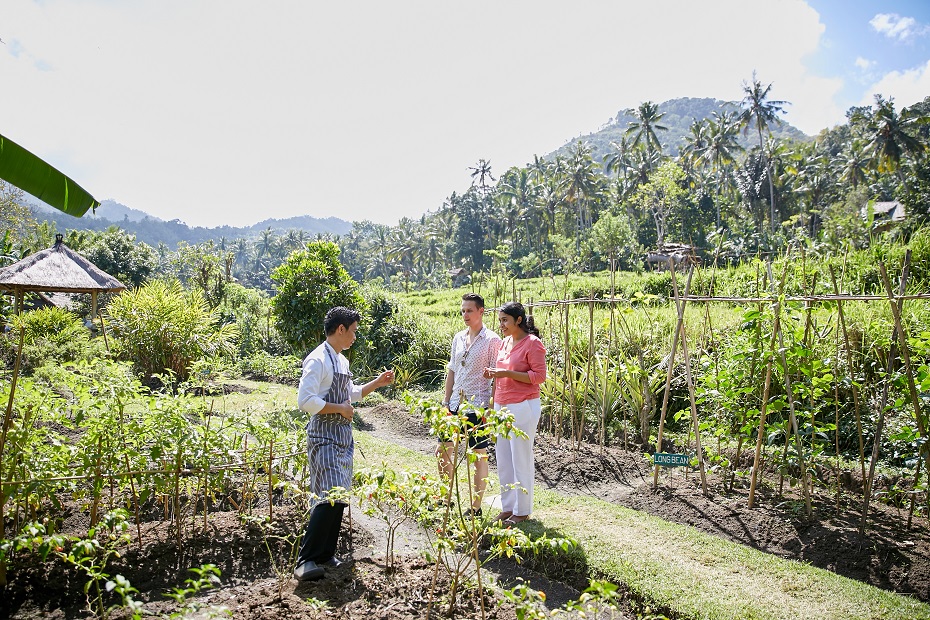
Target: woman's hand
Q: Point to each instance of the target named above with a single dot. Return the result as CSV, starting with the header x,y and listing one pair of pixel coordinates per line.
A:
x,y
495,373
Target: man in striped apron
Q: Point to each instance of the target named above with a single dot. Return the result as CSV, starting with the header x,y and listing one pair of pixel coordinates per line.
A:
x,y
327,392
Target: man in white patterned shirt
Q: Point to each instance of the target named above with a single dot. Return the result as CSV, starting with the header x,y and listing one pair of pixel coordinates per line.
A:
x,y
473,349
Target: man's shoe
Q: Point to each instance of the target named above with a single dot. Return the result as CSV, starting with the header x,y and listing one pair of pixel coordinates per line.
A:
x,y
333,562
308,571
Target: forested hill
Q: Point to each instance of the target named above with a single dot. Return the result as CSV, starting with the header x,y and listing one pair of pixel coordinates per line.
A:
x,y
678,116
153,230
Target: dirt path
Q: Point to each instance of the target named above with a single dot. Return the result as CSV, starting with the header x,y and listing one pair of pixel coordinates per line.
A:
x,y
890,556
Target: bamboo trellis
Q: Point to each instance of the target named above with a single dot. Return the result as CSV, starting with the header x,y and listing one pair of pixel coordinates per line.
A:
x,y
776,349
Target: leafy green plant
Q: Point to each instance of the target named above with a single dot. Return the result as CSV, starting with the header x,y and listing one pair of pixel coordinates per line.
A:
x,y
397,499
527,602
161,327
53,335
309,283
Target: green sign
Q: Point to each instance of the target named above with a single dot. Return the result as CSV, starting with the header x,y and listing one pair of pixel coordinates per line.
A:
x,y
670,460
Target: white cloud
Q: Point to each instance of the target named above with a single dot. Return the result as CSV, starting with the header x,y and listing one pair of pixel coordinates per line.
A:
x,y
906,87
894,26
864,64
228,112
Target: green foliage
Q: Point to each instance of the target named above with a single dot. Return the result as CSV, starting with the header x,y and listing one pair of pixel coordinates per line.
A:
x,y
119,254
309,283
614,239
250,310
52,335
263,366
161,328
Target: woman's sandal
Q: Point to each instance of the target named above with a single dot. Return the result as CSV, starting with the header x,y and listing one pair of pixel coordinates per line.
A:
x,y
502,517
514,519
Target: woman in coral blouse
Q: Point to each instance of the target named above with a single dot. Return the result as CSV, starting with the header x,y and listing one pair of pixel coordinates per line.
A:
x,y
520,368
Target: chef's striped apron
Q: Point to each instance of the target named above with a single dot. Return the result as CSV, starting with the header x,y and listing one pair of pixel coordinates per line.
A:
x,y
330,446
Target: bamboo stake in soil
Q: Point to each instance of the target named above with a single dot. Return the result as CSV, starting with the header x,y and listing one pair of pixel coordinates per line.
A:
x,y
906,355
892,356
852,375
270,482
793,420
7,423
684,351
766,391
671,368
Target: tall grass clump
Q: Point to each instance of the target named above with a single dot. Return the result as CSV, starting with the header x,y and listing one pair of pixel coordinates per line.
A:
x,y
161,327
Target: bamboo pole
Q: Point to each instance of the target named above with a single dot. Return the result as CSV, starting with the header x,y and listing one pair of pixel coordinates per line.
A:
x,y
766,391
852,380
587,377
671,368
270,482
892,356
684,351
896,309
792,418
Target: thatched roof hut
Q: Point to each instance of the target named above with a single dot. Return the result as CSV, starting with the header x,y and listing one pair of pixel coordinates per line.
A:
x,y
59,269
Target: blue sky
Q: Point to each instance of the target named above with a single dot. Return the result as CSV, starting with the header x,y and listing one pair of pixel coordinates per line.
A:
x,y
864,41
231,111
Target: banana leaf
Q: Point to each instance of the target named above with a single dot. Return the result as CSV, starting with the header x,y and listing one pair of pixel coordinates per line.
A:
x,y
31,174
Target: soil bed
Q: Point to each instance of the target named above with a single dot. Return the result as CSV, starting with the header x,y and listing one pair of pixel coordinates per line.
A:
x,y
889,556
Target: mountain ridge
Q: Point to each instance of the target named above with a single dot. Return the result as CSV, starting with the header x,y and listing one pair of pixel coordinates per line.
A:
x,y
678,115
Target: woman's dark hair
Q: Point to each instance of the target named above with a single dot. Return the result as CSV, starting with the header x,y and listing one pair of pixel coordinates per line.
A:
x,y
340,315
517,311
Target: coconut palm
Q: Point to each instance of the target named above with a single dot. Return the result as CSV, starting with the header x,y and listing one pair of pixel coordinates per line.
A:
x,y
855,161
722,147
693,153
761,112
891,136
581,186
480,173
644,128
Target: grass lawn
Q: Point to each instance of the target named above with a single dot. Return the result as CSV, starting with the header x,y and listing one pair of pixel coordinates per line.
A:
x,y
676,567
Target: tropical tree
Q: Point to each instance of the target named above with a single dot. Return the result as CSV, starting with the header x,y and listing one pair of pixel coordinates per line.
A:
x,y
644,128
664,198
309,283
854,163
581,185
721,151
761,112
892,136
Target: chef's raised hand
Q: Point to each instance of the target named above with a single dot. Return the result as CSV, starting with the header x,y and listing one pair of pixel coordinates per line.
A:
x,y
385,378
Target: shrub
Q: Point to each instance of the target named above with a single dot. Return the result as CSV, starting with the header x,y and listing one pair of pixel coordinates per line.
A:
x,y
250,310
266,367
309,283
51,335
161,327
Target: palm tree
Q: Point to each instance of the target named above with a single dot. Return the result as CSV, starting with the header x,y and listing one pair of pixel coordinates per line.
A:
x,y
891,136
854,163
644,128
481,172
760,111
518,195
402,248
722,146
581,185
693,154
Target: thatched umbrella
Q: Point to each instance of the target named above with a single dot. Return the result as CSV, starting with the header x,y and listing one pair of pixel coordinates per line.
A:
x,y
58,269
